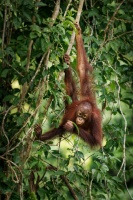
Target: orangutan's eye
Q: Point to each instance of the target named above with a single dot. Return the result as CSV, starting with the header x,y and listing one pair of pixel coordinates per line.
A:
x,y
85,116
79,114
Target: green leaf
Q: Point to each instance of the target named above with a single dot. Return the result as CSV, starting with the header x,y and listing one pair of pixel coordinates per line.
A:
x,y
8,98
113,85
33,196
122,62
40,4
104,168
43,44
94,171
70,18
27,16
121,12
4,73
33,35
20,37
114,45
109,58
20,121
33,164
112,4
70,23
75,166
42,193
99,176
59,172
61,29
71,176
36,28
55,152
45,73
93,12
79,154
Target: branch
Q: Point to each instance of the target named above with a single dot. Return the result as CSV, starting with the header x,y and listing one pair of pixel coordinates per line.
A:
x,y
77,20
112,19
3,125
39,66
28,55
31,42
124,142
128,32
64,178
41,90
67,8
90,188
11,165
16,135
40,96
56,12
25,87
106,29
69,187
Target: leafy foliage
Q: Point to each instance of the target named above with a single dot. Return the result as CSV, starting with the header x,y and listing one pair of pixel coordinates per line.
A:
x,y
32,91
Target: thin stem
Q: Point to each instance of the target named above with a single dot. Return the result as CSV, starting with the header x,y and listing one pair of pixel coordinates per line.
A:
x,y
77,20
